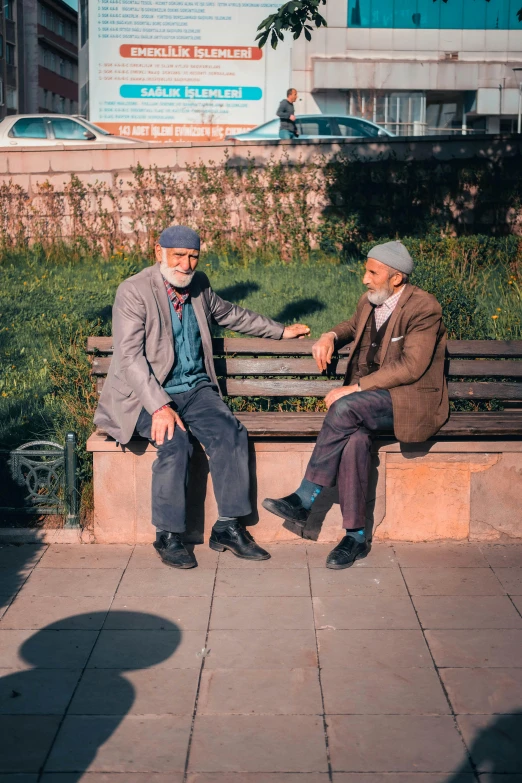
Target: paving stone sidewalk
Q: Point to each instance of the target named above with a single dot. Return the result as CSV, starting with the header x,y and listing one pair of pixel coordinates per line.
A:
x,y
406,668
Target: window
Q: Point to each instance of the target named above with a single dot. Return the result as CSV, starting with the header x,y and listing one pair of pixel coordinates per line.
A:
x,y
356,128
428,15
29,128
61,28
84,21
61,67
1,93
316,126
9,9
68,130
10,54
42,12
11,98
50,20
1,46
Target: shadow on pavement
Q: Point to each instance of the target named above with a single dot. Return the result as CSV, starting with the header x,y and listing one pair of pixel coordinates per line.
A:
x,y
79,673
496,748
16,563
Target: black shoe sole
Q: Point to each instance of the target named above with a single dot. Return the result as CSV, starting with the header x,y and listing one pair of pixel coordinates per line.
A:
x,y
268,506
222,547
336,567
183,566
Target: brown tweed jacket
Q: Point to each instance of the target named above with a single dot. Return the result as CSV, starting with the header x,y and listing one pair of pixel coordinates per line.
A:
x,y
412,355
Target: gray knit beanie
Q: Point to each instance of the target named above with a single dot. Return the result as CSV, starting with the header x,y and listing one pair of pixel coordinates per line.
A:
x,y
393,254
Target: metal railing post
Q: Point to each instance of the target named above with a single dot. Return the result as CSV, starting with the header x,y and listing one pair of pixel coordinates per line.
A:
x,y
71,482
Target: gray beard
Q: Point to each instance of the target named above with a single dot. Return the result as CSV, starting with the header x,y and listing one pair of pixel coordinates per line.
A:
x,y
175,278
379,297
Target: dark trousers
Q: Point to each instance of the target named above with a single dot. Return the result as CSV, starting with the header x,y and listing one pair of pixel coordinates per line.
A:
x,y
342,452
225,441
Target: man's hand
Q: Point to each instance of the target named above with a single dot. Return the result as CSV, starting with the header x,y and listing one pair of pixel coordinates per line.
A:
x,y
323,350
292,117
296,330
164,421
336,394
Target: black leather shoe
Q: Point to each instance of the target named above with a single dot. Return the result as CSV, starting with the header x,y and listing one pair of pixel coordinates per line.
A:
x,y
172,550
289,508
347,551
238,541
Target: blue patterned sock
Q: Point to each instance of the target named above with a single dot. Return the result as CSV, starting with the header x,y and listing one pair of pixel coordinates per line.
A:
x,y
359,534
308,492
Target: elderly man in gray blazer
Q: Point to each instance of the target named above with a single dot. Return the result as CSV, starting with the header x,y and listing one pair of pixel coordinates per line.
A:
x,y
162,385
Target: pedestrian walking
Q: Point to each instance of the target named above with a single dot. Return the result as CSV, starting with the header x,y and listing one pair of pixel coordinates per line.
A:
x,y
285,112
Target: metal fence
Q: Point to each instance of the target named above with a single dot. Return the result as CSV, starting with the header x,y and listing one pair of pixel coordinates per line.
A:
x,y
47,473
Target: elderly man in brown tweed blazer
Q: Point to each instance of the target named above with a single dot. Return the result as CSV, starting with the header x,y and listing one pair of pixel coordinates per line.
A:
x,y
394,381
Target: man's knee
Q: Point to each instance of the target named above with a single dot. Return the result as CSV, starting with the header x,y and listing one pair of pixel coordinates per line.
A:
x,y
344,409
178,445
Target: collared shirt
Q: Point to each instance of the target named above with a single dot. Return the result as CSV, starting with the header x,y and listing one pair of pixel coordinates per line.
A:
x,y
177,299
382,312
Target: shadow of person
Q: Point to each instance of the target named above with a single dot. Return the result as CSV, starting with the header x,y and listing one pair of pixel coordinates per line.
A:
x,y
57,714
496,748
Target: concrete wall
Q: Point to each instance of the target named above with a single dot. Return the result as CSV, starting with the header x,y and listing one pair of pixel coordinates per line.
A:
x,y
32,165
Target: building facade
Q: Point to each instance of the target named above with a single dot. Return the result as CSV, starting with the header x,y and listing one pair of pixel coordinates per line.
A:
x,y
38,57
415,66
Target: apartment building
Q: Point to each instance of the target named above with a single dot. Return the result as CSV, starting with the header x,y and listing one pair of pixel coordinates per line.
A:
x,y
38,57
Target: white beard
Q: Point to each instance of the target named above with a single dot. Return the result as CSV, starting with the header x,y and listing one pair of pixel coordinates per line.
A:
x,y
380,296
175,278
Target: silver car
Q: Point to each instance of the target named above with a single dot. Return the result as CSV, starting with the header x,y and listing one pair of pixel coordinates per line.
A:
x,y
37,130
318,126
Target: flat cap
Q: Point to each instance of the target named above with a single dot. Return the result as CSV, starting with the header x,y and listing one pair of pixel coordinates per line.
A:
x,y
179,236
393,254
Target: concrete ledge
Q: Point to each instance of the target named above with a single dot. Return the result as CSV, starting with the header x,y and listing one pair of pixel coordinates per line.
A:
x,y
29,535
440,490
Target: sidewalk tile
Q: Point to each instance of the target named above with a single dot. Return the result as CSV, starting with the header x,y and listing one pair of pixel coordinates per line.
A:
x,y
12,580
493,741
357,581
401,777
86,556
439,555
80,582
265,613
257,777
476,648
19,556
258,743
137,743
466,611
36,691
163,580
111,777
154,612
260,691
145,692
261,650
381,556
364,612
373,649
262,582
483,691
48,649
142,649
503,555
517,600
145,556
386,691
511,579
395,743
25,741
32,611
282,556
452,581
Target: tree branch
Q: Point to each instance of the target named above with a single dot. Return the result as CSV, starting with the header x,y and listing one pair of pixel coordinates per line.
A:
x,y
296,17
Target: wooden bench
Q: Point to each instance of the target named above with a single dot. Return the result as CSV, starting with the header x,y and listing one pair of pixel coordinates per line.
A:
x,y
464,484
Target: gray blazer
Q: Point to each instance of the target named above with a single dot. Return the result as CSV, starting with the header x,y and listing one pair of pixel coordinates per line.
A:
x,y
144,345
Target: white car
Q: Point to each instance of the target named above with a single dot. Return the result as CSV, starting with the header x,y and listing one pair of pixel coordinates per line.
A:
x,y
51,130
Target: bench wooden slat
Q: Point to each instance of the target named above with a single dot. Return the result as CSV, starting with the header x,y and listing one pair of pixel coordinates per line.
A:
x,y
484,391
459,425
481,349
308,367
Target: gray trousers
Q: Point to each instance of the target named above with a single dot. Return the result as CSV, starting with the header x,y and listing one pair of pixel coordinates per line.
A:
x,y
342,452
225,441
